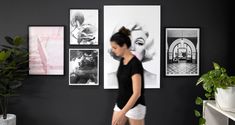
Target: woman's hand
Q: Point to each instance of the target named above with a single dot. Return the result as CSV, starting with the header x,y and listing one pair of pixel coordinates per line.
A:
x,y
118,118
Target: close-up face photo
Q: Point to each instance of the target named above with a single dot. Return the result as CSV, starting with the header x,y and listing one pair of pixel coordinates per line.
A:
x,y
138,45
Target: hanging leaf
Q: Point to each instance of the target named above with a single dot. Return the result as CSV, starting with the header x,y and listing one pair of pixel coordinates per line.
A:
x,y
208,96
198,101
197,113
202,121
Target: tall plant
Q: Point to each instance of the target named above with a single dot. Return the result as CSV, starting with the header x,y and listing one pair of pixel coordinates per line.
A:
x,y
13,69
210,81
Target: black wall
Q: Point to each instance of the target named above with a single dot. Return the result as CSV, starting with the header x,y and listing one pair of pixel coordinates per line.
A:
x,y
49,100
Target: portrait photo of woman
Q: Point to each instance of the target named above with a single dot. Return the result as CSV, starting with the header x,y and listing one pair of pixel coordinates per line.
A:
x,y
145,43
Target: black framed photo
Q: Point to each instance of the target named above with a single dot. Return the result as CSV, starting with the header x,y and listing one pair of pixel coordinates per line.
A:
x,y
83,66
182,47
46,50
83,26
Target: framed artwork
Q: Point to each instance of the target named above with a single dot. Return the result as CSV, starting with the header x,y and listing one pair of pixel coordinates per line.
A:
x,y
144,24
46,50
182,51
83,66
83,27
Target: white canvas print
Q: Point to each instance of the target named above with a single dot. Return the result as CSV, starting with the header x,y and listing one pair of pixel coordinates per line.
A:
x,y
46,50
182,51
144,24
83,67
83,27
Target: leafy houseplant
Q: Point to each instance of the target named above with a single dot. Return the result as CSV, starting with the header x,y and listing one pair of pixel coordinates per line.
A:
x,y
13,69
211,82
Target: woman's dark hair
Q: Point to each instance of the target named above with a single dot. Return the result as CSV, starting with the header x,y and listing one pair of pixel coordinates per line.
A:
x,y
122,37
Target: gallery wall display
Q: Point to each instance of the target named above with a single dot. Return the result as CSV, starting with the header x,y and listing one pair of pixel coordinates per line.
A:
x,y
144,24
182,51
83,66
46,50
83,27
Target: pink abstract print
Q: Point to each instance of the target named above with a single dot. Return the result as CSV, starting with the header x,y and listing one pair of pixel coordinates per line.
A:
x,y
46,50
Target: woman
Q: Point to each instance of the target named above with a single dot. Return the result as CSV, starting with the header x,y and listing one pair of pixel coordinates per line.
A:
x,y
130,104
142,46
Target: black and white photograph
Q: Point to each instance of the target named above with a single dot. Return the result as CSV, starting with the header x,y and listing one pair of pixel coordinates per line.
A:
x,y
145,40
84,67
83,26
182,51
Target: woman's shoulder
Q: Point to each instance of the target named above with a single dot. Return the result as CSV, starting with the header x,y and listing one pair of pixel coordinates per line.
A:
x,y
136,61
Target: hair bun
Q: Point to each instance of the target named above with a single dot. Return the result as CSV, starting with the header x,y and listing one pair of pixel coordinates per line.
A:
x,y
124,31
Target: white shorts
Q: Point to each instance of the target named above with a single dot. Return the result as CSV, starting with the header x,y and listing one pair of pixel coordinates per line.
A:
x,y
138,112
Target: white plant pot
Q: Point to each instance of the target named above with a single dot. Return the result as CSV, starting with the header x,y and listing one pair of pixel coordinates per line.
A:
x,y
11,120
225,99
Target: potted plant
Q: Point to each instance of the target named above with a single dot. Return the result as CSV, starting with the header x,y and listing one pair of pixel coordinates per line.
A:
x,y
218,85
13,70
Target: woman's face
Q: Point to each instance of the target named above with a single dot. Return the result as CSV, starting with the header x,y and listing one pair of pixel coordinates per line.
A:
x,y
116,49
138,39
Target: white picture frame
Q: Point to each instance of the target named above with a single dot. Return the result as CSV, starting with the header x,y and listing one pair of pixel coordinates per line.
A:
x,y
83,67
83,26
141,18
182,47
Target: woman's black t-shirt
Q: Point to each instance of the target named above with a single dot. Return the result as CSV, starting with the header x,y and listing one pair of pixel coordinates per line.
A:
x,y
124,74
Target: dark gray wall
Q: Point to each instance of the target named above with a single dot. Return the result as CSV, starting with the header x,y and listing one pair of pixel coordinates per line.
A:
x,y
49,100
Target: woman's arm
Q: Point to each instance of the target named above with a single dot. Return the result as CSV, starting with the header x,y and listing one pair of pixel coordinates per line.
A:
x,y
136,83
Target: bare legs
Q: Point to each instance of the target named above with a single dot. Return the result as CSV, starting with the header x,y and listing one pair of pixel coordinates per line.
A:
x,y
131,121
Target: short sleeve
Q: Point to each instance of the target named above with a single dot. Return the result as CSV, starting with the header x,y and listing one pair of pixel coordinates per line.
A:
x,y
136,67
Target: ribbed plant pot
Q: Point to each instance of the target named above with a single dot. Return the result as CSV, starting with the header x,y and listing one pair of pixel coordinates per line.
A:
x,y
225,99
11,120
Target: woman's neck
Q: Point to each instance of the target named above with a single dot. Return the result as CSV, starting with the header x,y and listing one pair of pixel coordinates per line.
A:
x,y
127,56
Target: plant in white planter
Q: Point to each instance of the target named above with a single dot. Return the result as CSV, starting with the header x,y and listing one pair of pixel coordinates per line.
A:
x,y
13,70
218,85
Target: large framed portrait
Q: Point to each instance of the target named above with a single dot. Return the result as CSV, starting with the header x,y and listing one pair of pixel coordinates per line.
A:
x,y
46,50
182,51
83,66
83,26
144,24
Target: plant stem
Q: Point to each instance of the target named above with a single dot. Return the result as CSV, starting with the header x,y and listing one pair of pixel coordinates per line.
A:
x,y
4,101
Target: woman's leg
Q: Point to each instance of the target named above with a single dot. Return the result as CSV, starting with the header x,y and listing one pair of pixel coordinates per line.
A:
x,y
124,120
136,122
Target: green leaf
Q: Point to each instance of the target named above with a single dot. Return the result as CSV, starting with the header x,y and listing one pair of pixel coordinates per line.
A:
x,y
202,121
18,40
216,66
197,113
9,40
223,70
198,101
208,86
4,55
208,95
199,81
6,47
